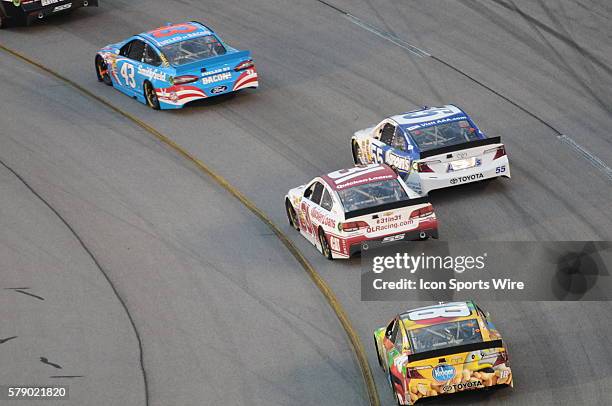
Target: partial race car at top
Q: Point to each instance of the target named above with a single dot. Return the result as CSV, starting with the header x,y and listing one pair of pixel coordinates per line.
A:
x,y
174,65
26,11
441,349
432,148
367,205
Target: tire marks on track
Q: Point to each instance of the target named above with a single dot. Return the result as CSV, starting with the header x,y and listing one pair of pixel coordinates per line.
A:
x,y
88,252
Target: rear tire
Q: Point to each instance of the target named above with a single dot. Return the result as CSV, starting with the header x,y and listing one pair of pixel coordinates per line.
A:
x,y
356,153
102,71
291,215
325,250
151,96
378,354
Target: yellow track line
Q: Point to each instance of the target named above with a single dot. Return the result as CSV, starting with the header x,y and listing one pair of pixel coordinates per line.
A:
x,y
364,365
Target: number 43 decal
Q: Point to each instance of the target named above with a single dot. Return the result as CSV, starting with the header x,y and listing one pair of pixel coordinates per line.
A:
x,y
128,73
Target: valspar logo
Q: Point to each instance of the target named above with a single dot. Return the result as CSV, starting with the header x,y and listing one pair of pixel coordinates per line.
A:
x,y
216,78
469,178
443,372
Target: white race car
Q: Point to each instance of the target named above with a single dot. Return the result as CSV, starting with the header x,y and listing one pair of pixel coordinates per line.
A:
x,y
368,205
432,148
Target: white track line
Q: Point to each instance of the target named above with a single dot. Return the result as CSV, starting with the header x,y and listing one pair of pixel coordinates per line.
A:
x,y
387,36
595,161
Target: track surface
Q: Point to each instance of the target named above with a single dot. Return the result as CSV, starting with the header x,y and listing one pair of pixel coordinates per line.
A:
x,y
323,77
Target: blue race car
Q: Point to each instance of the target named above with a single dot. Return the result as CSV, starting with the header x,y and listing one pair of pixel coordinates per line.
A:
x,y
432,148
174,65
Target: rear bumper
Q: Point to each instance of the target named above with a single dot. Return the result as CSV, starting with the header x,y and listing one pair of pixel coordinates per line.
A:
x,y
426,229
176,97
419,389
35,11
423,183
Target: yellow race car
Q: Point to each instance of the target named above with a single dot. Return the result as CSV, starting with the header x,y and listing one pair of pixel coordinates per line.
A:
x,y
441,349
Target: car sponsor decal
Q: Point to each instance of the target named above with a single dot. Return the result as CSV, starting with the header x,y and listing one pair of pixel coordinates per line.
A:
x,y
468,178
62,7
436,122
443,372
207,80
462,386
152,74
397,161
218,89
216,71
322,218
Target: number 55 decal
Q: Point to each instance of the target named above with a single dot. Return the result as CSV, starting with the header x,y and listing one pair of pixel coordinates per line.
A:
x,y
128,73
500,169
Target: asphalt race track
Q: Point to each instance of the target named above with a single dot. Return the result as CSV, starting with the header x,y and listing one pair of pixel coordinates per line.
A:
x,y
143,261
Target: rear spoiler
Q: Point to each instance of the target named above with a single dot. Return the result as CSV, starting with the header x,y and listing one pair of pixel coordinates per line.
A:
x,y
457,147
455,350
237,56
385,207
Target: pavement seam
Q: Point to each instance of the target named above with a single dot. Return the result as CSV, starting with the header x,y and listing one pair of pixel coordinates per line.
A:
x,y
323,287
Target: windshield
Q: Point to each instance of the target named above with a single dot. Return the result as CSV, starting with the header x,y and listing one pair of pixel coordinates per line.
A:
x,y
443,135
193,50
372,194
445,335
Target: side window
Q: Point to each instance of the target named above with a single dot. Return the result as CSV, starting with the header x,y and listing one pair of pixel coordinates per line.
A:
x,y
317,193
327,203
137,48
398,342
387,133
399,141
125,50
392,329
309,190
150,56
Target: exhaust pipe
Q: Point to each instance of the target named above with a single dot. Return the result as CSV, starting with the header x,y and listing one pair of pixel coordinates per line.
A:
x,y
85,3
422,235
41,16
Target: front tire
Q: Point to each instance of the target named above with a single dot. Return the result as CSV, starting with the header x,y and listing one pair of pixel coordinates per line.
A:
x,y
102,71
325,250
151,96
291,215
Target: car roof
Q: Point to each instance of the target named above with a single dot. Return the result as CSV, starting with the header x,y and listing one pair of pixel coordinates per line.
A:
x,y
429,116
347,178
438,314
173,33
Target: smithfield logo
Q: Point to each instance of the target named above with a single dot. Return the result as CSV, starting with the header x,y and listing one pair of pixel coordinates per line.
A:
x,y
443,372
218,89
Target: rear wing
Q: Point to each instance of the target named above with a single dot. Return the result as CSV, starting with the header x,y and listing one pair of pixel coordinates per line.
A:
x,y
216,60
458,147
442,352
385,207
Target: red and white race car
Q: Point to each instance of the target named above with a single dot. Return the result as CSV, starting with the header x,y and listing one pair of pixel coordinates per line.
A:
x,y
368,204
